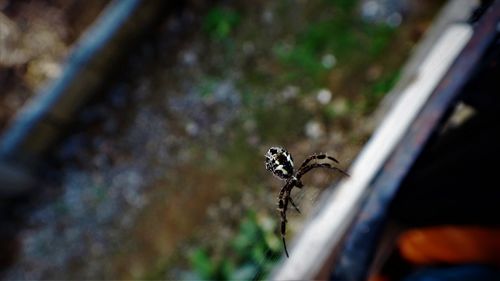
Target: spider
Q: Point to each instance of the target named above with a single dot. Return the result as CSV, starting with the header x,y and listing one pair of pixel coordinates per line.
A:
x,y
279,161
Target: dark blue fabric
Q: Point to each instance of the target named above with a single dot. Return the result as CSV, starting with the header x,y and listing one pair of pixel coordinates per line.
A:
x,y
456,273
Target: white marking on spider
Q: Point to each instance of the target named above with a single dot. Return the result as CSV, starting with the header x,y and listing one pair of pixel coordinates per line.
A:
x,y
281,168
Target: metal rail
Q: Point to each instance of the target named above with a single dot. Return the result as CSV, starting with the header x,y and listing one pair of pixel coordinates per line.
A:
x,y
38,124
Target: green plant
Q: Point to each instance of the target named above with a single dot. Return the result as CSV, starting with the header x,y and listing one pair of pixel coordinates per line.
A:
x,y
247,254
209,269
207,86
343,34
379,88
219,22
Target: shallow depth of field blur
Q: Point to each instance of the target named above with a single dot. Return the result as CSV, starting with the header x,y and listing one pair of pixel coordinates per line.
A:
x,y
162,176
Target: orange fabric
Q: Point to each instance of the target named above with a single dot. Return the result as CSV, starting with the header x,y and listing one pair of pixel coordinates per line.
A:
x,y
450,244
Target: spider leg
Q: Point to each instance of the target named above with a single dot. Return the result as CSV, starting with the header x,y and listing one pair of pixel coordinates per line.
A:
x,y
283,202
320,156
283,199
295,206
307,168
284,246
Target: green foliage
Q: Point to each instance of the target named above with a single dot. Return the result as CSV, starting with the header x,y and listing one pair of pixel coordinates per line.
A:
x,y
250,249
219,22
299,57
209,269
202,263
344,5
380,35
303,57
385,84
207,86
329,112
379,88
344,35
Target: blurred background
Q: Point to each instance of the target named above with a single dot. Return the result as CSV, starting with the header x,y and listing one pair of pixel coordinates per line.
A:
x,y
160,173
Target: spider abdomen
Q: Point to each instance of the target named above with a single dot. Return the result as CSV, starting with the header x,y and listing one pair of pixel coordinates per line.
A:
x,y
279,162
